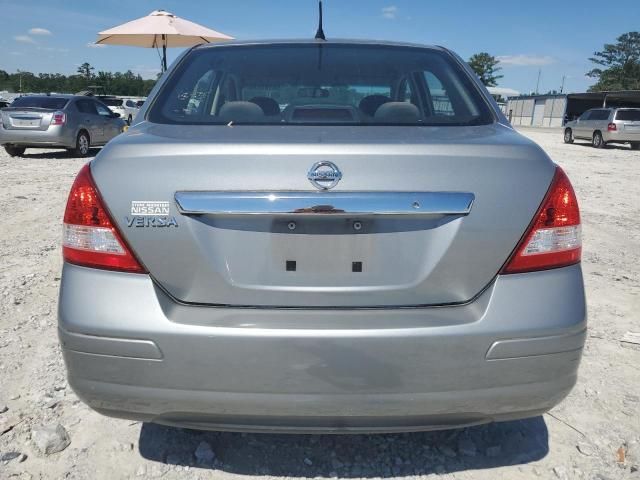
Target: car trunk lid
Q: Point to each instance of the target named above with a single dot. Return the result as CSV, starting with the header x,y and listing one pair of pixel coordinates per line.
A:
x,y
26,118
421,216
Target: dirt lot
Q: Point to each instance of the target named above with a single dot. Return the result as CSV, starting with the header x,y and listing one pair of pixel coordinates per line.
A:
x,y
593,434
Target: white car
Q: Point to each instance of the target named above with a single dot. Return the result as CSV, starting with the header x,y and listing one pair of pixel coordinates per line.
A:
x,y
131,107
115,105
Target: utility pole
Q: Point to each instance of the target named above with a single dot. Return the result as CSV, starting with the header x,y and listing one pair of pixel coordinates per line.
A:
x,y
562,86
20,73
538,82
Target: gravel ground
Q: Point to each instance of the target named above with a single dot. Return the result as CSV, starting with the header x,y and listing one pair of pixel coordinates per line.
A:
x,y
593,434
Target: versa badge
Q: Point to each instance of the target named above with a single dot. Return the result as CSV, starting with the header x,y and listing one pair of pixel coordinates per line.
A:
x,y
150,214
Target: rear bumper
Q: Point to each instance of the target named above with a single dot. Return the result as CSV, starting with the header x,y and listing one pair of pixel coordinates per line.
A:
x,y
620,136
54,136
132,352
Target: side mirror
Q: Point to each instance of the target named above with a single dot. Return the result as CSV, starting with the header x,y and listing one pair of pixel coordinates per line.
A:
x,y
117,115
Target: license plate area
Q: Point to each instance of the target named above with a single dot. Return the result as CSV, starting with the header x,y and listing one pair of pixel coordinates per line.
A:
x,y
327,254
25,122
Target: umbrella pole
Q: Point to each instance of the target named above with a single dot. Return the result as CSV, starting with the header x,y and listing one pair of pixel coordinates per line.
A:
x,y
164,53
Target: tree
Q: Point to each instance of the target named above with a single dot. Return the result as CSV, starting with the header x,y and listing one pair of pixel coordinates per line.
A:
x,y
619,64
117,83
86,70
486,67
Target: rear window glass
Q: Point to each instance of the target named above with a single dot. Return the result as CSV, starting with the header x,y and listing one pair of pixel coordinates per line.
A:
x,y
324,84
111,102
52,103
599,115
629,115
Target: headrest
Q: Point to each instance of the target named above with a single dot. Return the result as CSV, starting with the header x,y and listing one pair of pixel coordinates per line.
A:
x,y
241,112
397,112
370,104
268,105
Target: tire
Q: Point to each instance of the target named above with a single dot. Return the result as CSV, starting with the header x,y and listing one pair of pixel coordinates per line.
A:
x,y
14,151
83,145
597,140
635,146
568,136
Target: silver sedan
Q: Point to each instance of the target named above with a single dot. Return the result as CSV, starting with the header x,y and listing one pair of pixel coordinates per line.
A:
x,y
57,121
317,236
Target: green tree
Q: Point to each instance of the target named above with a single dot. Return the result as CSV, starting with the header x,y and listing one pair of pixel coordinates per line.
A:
x,y
618,64
486,67
117,83
86,70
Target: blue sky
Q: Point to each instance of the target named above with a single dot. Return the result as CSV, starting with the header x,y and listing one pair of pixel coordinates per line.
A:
x,y
556,37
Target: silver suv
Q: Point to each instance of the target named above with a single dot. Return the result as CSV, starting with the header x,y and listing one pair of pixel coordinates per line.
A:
x,y
321,236
606,125
57,121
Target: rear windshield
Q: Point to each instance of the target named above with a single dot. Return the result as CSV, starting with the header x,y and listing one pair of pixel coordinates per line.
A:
x,y
111,102
629,115
51,103
320,84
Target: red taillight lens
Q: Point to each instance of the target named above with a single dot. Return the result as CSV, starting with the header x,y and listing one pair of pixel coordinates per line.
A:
x,y
553,238
612,127
89,237
58,118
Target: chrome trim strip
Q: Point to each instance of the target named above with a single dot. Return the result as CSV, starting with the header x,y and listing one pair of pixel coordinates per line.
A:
x,y
324,203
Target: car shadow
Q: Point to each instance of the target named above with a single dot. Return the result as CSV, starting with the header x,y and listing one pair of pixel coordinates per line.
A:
x,y
56,154
349,456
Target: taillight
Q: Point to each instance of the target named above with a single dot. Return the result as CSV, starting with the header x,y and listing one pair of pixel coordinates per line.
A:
x,y
553,238
58,118
90,238
612,127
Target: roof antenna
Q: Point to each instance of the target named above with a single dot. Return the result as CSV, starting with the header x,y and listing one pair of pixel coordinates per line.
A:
x,y
320,32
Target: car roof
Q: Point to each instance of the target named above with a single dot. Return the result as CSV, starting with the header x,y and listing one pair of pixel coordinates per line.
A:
x,y
312,41
53,95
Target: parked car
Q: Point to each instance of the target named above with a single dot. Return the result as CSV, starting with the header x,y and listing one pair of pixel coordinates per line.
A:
x,y
115,104
4,103
606,125
131,108
315,244
57,121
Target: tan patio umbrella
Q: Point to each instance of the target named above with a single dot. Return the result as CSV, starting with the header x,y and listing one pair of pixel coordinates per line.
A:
x,y
160,29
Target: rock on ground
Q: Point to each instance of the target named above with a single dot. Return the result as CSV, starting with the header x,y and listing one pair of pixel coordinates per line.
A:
x,y
50,439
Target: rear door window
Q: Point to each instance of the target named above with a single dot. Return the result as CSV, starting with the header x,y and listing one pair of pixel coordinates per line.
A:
x,y
599,115
86,106
628,115
309,84
586,115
